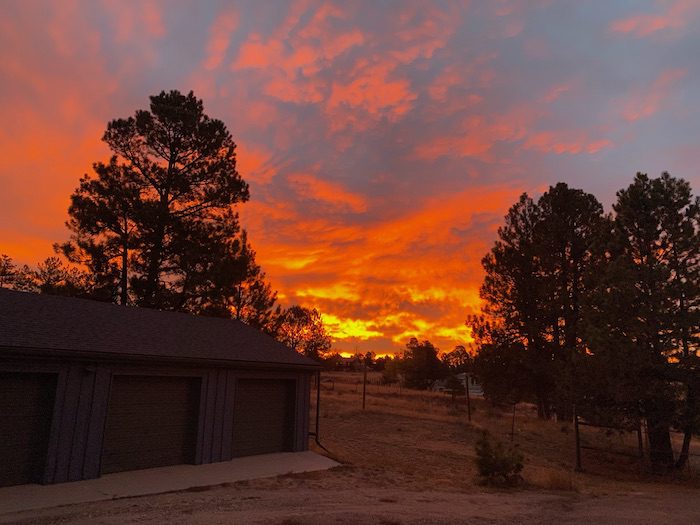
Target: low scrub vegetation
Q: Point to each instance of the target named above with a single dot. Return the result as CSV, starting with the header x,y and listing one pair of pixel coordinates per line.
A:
x,y
497,464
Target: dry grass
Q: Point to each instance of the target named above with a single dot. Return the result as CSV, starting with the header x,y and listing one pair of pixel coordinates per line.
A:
x,y
552,479
423,440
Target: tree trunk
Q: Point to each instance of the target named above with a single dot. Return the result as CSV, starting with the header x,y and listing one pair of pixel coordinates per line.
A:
x,y
150,299
124,292
544,410
124,280
660,449
685,449
688,429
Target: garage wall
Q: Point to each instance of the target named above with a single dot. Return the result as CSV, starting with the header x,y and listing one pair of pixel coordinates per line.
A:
x,y
151,422
79,417
218,403
26,408
75,439
82,396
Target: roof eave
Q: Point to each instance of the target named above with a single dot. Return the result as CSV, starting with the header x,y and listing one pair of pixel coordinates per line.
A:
x,y
99,356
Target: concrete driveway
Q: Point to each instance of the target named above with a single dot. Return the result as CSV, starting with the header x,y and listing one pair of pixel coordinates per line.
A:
x,y
158,480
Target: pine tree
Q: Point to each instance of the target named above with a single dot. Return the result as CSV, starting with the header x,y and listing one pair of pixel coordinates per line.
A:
x,y
642,317
533,288
156,227
7,271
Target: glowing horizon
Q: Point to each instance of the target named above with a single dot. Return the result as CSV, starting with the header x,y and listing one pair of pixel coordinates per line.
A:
x,y
383,143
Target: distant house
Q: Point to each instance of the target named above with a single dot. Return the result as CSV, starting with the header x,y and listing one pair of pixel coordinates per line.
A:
x,y
473,382
439,385
353,363
89,388
442,385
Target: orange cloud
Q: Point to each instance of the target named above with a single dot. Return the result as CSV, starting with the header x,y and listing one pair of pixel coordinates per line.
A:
x,y
344,291
372,90
472,145
255,164
382,143
375,282
254,53
340,328
472,76
477,134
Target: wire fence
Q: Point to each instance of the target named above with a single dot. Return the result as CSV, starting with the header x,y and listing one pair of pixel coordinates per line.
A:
x,y
631,443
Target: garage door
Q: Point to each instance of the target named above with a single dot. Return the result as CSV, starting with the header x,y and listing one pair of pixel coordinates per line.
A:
x,y
151,422
263,420
26,409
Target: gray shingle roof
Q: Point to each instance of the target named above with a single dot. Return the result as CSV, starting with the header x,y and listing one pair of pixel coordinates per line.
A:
x,y
66,324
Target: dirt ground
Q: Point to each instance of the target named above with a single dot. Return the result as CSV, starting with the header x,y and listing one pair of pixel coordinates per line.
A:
x,y
409,459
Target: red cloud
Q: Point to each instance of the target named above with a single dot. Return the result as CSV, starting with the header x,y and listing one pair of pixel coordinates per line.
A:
x,y
562,142
130,24
334,194
220,37
642,104
676,16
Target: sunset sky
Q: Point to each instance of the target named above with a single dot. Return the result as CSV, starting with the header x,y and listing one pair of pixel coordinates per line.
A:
x,y
383,141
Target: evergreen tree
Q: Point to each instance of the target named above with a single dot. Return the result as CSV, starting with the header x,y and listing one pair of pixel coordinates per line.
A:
x,y
642,319
533,288
103,223
7,271
155,226
239,290
420,364
53,277
566,243
503,363
152,221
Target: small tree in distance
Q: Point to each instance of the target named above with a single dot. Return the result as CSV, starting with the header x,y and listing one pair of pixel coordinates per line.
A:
x,y
420,364
7,271
302,330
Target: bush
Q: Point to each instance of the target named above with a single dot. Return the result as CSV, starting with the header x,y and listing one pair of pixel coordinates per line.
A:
x,y
497,465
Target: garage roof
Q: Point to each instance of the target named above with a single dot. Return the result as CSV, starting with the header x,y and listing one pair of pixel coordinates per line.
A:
x,y
65,324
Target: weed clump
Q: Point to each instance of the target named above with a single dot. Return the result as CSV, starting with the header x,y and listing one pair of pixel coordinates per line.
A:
x,y
498,465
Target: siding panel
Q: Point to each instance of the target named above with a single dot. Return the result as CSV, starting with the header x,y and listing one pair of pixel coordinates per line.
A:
x,y
151,422
26,408
263,416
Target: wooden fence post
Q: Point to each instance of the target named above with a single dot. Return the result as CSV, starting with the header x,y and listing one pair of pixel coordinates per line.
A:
x,y
469,403
364,385
578,442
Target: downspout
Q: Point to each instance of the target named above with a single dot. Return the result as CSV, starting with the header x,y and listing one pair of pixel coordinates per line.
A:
x,y
315,434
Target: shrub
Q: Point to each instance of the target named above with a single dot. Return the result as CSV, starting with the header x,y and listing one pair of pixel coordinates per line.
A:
x,y
496,464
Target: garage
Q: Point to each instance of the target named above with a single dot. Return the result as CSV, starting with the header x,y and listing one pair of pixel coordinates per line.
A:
x,y
26,408
151,422
90,388
263,416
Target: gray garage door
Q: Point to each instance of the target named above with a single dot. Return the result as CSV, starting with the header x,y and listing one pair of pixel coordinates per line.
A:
x,y
26,410
151,422
263,420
